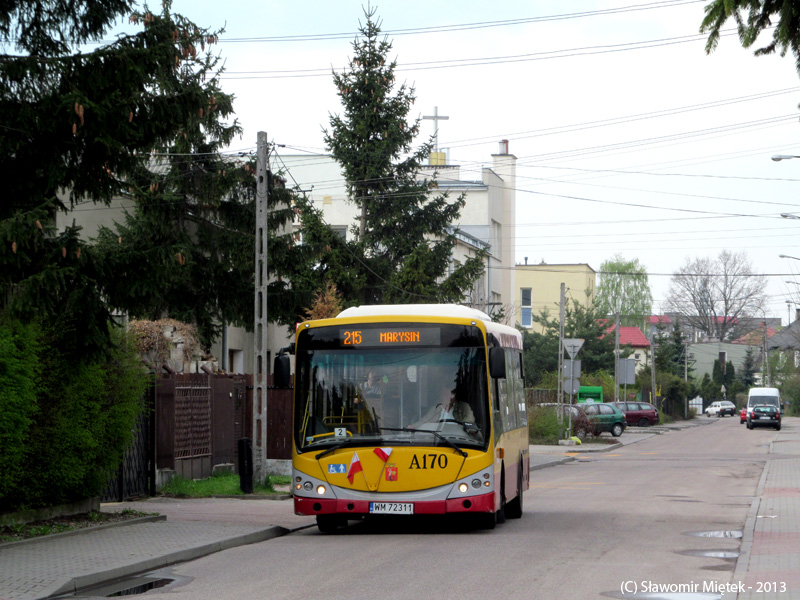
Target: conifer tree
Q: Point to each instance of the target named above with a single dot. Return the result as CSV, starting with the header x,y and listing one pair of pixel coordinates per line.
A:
x,y
142,118
752,18
403,245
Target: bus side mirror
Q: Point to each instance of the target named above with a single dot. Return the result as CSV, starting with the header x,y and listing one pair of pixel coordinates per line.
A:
x,y
282,370
497,362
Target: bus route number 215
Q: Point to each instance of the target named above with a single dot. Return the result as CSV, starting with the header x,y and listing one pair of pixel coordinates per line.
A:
x,y
352,338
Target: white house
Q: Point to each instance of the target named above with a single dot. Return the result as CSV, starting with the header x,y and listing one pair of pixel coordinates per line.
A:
x,y
487,219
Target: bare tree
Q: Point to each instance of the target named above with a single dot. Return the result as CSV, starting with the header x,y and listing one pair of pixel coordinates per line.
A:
x,y
712,295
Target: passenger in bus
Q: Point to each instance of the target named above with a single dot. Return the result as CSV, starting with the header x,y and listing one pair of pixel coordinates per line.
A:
x,y
447,409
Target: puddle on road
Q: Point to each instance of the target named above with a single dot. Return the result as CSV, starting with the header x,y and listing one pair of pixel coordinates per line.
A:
x,y
716,534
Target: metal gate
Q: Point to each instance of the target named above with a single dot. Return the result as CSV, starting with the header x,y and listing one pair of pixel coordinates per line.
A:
x,y
135,477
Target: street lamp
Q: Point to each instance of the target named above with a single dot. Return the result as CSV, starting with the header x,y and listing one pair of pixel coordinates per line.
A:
x,y
779,157
792,282
787,256
789,216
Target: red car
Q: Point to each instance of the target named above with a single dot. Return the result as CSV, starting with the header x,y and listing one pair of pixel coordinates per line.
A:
x,y
638,413
743,416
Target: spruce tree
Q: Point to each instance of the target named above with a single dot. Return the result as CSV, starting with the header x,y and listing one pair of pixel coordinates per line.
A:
x,y
142,118
403,245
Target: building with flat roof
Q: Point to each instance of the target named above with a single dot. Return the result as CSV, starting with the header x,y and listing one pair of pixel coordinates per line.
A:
x,y
538,288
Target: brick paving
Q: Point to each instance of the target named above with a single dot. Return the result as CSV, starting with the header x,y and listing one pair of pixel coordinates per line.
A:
x,y
769,565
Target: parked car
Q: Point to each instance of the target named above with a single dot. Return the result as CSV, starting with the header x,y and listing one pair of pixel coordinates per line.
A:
x,y
580,422
721,408
743,415
642,414
764,415
605,417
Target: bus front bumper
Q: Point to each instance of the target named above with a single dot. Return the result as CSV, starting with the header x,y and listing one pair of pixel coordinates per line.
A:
x,y
484,503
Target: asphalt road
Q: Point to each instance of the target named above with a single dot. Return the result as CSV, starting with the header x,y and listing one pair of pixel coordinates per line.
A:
x,y
590,529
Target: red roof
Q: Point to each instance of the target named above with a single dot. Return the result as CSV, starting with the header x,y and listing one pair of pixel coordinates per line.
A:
x,y
630,336
755,337
726,320
659,320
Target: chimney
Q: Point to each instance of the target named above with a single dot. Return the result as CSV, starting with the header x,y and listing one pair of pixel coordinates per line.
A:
x,y
503,147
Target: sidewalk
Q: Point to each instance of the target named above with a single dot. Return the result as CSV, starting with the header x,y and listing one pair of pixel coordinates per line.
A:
x,y
768,567
64,563
189,529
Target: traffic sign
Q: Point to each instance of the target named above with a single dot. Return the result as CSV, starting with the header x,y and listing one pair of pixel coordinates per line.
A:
x,y
572,386
571,368
572,345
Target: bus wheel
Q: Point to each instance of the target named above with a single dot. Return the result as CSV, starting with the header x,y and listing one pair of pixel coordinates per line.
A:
x,y
328,523
513,509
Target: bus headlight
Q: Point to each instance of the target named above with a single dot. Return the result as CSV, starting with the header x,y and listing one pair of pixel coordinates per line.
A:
x,y
476,483
321,490
463,488
308,486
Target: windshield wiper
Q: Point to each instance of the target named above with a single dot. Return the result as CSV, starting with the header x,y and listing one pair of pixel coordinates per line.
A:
x,y
436,433
349,442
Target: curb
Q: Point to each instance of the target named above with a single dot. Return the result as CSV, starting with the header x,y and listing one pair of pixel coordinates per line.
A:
x,y
552,463
80,530
748,532
73,585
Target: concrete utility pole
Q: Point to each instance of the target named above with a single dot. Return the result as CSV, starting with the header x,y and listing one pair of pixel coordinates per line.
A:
x,y
765,361
260,346
561,310
653,369
616,359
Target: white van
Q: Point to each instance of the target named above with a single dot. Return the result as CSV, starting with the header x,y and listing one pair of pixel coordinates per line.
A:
x,y
764,395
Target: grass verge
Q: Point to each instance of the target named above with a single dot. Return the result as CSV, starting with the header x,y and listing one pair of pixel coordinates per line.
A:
x,y
15,533
220,485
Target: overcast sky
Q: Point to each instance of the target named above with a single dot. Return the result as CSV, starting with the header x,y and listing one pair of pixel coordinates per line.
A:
x,y
629,138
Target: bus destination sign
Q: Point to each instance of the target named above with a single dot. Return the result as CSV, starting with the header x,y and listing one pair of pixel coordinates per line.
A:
x,y
392,336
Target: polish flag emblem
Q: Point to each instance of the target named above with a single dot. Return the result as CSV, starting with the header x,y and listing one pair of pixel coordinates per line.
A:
x,y
383,453
355,467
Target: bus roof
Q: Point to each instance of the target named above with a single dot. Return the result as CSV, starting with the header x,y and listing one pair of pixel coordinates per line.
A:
x,y
415,310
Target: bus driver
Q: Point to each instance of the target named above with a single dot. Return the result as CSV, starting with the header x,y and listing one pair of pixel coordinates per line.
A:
x,y
447,409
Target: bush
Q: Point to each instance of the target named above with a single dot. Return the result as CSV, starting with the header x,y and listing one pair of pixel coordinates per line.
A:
x,y
544,428
84,417
543,425
18,404
790,393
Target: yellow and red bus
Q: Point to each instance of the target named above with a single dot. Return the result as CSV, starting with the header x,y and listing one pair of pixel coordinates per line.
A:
x,y
372,435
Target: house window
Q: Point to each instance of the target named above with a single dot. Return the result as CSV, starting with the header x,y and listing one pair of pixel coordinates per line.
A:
x,y
525,305
497,240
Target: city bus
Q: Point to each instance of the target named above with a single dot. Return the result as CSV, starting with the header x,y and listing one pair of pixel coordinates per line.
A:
x,y
409,410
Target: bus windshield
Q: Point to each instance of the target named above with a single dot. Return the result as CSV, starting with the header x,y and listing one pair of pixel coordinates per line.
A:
x,y
429,390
